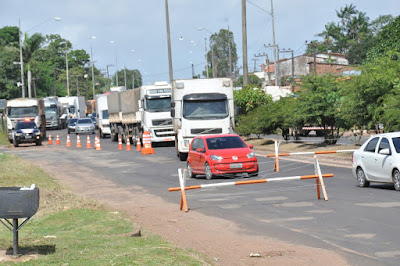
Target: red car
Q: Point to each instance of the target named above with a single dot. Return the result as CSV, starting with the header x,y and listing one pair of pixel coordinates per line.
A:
x,y
221,155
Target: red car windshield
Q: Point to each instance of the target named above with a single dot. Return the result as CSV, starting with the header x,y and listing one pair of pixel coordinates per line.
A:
x,y
220,143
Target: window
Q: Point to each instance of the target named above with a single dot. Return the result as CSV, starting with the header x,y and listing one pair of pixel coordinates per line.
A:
x,y
371,145
225,143
396,143
217,109
198,144
195,144
384,145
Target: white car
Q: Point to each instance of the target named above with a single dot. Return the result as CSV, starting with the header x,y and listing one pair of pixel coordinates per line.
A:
x,y
378,160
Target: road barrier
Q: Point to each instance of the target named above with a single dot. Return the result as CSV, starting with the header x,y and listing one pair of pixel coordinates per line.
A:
x,y
88,144
120,147
58,140
50,142
318,176
68,141
277,154
147,149
78,141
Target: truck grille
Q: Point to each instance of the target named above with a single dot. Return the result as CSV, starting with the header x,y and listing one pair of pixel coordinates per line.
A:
x,y
167,132
206,130
162,122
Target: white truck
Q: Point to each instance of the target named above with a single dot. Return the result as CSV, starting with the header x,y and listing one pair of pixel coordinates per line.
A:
x,y
103,122
54,113
76,106
124,116
25,109
201,106
155,112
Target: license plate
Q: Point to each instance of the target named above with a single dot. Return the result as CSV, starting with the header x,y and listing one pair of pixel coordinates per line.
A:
x,y
28,137
236,165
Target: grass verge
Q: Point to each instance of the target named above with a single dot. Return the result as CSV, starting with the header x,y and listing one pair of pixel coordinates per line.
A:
x,y
70,230
3,137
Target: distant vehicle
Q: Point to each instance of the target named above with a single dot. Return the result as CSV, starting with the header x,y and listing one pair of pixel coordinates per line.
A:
x,y
26,132
76,106
378,160
84,125
221,155
120,88
54,113
101,115
22,109
71,125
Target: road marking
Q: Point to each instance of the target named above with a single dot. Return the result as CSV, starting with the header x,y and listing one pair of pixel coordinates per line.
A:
x,y
230,206
387,254
380,204
292,219
364,236
297,204
212,200
271,198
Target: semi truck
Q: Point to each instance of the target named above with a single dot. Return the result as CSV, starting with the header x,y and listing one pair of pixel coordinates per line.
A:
x,y
25,109
146,108
199,107
155,112
54,113
76,106
102,120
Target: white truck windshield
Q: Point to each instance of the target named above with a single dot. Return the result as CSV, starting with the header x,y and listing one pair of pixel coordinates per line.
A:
x,y
158,104
216,109
14,112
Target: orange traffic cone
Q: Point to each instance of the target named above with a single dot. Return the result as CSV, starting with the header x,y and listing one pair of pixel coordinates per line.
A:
x,y
78,141
68,141
138,145
98,147
58,140
50,140
120,143
147,149
128,144
88,144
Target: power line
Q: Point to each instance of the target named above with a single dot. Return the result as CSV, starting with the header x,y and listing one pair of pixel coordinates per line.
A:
x,y
259,7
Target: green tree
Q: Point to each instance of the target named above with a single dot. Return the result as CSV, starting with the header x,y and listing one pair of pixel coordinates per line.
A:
x,y
219,45
252,79
249,98
130,75
9,36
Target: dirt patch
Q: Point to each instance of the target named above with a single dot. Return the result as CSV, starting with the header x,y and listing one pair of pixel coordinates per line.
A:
x,y
220,240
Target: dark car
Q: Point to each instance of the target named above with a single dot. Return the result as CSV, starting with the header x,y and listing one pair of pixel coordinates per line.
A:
x,y
26,132
71,125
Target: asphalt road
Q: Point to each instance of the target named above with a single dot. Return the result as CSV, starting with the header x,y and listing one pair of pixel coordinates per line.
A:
x,y
360,223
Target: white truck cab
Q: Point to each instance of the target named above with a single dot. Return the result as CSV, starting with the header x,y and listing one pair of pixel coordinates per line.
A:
x,y
199,107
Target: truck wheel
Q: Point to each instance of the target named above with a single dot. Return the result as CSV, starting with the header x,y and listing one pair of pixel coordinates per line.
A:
x,y
182,156
101,134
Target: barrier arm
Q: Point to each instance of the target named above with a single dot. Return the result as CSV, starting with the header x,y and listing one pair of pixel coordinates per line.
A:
x,y
319,180
306,153
182,187
277,146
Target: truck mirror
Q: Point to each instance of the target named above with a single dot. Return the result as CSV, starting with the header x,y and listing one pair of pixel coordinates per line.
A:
x,y
172,112
172,104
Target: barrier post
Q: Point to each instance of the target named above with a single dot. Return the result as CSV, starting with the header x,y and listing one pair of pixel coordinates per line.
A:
x,y
319,180
276,166
183,194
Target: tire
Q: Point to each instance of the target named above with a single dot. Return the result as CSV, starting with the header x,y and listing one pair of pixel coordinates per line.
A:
x,y
182,156
190,172
39,142
362,180
101,134
69,131
207,172
15,143
396,179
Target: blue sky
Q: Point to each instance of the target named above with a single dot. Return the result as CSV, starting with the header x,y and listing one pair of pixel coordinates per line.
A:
x,y
140,26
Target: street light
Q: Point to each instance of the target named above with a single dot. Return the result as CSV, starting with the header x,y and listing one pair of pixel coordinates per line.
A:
x,y
92,63
116,64
20,52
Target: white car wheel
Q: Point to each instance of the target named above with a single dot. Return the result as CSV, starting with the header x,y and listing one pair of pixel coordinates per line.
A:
x,y
396,179
362,180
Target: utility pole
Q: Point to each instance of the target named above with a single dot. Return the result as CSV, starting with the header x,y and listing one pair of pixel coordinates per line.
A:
x,y
277,83
205,46
290,51
255,64
29,84
108,77
267,64
21,61
171,74
91,55
66,67
116,70
133,79
192,71
213,62
229,51
244,38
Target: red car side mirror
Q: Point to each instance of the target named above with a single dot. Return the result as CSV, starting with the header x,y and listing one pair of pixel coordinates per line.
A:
x,y
251,146
200,150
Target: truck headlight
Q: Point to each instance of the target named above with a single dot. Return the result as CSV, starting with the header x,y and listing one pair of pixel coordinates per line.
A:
x,y
186,142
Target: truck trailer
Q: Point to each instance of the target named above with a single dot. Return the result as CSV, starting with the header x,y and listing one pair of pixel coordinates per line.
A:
x,y
25,109
199,107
